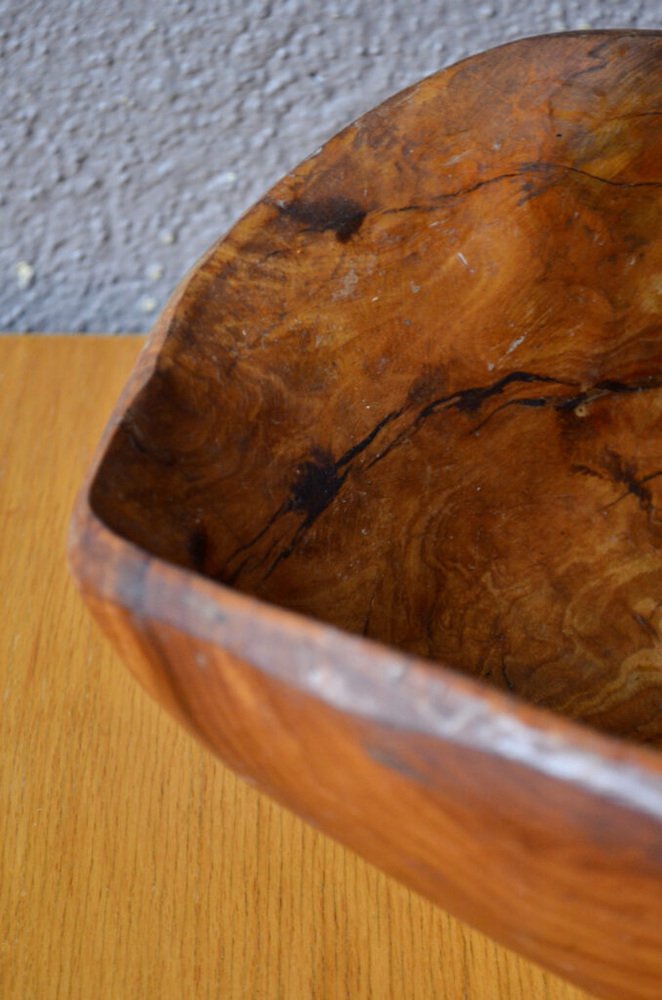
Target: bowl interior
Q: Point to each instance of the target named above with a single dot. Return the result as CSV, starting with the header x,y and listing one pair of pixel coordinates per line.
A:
x,y
417,391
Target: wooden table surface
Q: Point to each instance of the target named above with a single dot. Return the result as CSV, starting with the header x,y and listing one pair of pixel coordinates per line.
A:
x,y
134,865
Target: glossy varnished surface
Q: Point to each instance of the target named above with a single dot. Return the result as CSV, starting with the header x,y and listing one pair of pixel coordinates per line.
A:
x,y
414,397
417,392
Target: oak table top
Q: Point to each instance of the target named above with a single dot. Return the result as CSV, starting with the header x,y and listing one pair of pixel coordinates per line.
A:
x,y
133,863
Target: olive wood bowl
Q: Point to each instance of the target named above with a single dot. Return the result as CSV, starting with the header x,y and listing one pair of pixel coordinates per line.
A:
x,y
378,515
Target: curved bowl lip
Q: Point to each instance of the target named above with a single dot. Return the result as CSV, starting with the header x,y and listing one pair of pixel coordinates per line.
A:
x,y
355,675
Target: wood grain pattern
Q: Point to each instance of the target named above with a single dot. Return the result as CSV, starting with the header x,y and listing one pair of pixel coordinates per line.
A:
x,y
415,397
132,863
417,392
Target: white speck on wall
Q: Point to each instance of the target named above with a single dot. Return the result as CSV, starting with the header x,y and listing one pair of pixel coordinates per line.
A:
x,y
155,272
147,304
227,178
24,274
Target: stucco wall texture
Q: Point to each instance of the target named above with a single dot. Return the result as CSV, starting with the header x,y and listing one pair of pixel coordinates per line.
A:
x,y
136,131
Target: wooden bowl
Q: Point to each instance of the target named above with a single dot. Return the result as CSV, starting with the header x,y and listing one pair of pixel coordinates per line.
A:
x,y
378,516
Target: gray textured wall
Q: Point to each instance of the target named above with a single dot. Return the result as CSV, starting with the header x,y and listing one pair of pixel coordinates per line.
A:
x,y
134,133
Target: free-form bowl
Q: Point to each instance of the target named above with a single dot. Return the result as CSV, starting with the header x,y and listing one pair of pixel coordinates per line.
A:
x,y
378,516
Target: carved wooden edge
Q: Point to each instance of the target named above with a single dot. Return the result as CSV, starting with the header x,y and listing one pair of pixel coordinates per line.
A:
x,y
350,673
